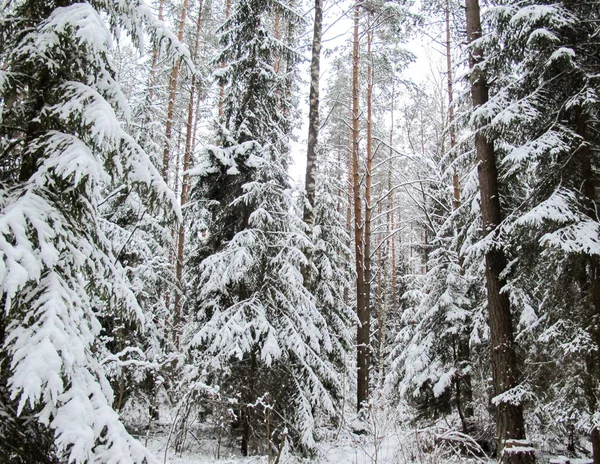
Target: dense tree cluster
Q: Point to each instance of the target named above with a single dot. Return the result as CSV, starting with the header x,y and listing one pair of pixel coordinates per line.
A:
x,y
159,263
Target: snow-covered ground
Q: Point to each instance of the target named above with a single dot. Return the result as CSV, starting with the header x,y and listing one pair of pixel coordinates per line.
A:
x,y
386,445
392,447
386,442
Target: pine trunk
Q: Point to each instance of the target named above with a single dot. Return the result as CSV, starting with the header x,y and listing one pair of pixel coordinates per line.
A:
x,y
510,422
450,84
185,187
391,213
366,321
349,190
313,116
362,333
172,94
222,86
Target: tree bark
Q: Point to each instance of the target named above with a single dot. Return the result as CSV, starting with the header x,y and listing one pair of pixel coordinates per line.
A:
x,y
185,186
450,84
313,116
349,188
368,207
510,422
595,437
172,94
593,275
222,86
362,333
277,35
391,212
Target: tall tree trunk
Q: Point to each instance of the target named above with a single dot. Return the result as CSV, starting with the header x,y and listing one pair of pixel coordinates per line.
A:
x,y
313,116
222,86
169,132
391,206
380,311
349,188
368,206
185,185
362,333
593,271
172,94
510,422
277,35
288,71
464,389
450,84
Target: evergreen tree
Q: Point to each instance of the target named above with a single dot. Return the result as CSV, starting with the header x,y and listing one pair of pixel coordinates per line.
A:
x,y
62,146
259,335
544,114
331,258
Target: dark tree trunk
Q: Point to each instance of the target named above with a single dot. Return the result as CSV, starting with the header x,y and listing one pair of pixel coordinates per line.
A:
x,y
362,332
593,277
595,437
313,116
249,398
510,422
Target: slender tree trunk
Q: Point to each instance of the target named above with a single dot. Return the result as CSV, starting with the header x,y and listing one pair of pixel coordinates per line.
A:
x,y
510,422
169,131
391,205
390,233
349,191
289,67
185,187
368,206
313,116
380,306
222,86
277,35
464,389
350,182
249,398
362,333
450,84
172,94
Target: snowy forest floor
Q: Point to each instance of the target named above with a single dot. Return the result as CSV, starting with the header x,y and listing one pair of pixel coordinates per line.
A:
x,y
348,448
402,448
386,443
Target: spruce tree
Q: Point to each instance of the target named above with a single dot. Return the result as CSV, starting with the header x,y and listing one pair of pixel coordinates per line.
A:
x,y
544,113
62,146
259,335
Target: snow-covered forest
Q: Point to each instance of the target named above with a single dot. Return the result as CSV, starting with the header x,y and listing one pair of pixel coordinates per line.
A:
x,y
176,289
